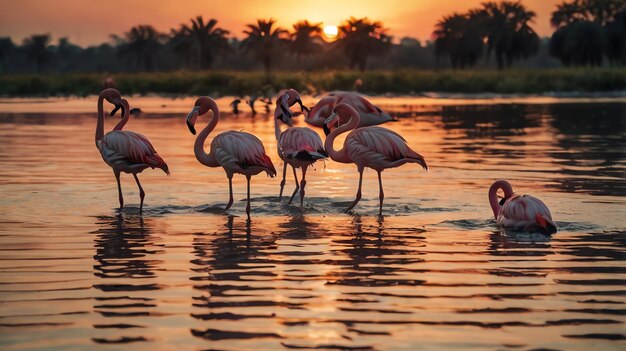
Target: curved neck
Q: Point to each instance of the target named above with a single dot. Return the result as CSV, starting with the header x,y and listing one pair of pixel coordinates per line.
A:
x,y
493,195
277,130
125,117
100,124
341,155
207,159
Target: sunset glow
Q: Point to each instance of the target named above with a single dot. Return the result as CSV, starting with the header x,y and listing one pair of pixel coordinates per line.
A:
x,y
331,32
85,25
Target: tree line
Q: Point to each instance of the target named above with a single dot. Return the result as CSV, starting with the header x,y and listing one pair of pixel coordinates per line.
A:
x,y
586,31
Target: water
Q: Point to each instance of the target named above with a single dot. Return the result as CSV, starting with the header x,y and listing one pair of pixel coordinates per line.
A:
x,y
434,273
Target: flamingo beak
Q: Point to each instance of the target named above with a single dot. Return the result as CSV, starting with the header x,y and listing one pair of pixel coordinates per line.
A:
x,y
191,119
286,115
118,106
328,121
302,107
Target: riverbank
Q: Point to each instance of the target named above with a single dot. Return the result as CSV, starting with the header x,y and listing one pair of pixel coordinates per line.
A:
x,y
412,82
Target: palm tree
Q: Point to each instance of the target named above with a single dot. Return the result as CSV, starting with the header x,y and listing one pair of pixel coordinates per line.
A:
x,y
204,39
6,48
36,49
141,44
306,39
361,38
265,40
182,47
580,37
506,28
578,43
66,52
599,11
460,38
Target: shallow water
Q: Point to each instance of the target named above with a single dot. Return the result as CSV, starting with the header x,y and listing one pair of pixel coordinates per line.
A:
x,y
434,273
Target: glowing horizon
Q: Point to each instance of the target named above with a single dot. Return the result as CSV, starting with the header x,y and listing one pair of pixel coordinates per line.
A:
x,y
86,24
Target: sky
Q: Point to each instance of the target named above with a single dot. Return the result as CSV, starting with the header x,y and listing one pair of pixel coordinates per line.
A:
x,y
88,22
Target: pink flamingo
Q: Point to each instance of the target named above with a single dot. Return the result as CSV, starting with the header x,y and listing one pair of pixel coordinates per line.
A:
x,y
520,212
125,151
236,152
369,113
374,147
298,147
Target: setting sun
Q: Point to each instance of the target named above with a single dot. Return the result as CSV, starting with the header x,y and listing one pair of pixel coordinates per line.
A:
x,y
331,32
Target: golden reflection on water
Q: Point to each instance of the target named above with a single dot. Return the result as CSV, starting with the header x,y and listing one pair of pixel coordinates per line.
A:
x,y
433,273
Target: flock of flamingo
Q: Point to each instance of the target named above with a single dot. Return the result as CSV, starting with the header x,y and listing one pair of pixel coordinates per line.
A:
x,y
367,145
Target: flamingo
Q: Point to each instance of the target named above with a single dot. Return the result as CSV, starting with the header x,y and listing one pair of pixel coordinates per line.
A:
x,y
369,113
125,151
517,212
298,147
374,147
236,152
235,105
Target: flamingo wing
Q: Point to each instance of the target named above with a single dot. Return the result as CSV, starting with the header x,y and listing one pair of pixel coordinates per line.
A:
x,y
380,148
243,150
130,148
297,142
526,212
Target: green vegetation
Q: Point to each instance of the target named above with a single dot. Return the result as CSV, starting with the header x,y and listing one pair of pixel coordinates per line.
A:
x,y
218,83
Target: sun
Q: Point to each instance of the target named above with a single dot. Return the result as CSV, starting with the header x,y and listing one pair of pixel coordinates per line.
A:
x,y
331,32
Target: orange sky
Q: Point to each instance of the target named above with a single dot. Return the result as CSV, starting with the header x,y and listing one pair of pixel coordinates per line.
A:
x,y
90,22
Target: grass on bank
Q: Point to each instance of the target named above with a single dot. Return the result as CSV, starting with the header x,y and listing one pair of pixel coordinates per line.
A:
x,y
218,83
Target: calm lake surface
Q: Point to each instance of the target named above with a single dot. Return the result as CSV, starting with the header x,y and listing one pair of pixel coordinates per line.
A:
x,y
435,273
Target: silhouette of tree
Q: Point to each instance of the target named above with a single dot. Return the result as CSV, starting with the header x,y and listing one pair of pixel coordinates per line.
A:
x,y
265,41
580,36
203,40
6,49
615,39
599,11
141,44
306,39
361,38
578,43
36,49
181,45
460,38
506,28
65,52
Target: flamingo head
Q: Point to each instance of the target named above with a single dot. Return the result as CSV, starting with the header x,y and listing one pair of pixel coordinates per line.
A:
x,y
114,97
493,195
287,99
340,114
322,109
202,106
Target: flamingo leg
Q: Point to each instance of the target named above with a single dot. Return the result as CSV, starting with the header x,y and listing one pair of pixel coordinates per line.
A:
x,y
230,191
381,194
302,185
297,184
358,193
248,204
142,194
282,183
119,189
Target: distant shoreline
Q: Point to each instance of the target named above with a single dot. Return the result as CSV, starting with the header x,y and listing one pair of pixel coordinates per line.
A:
x,y
565,82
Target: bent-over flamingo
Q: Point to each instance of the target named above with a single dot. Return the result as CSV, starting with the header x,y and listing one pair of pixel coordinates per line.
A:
x,y
369,114
298,147
374,147
236,152
125,151
520,212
